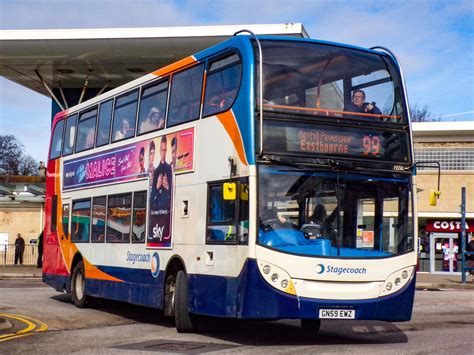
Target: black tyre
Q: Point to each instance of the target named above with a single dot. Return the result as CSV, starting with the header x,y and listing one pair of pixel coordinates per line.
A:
x,y
78,280
170,287
182,317
311,325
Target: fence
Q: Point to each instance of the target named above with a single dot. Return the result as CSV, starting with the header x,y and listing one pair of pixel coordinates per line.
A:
x,y
7,257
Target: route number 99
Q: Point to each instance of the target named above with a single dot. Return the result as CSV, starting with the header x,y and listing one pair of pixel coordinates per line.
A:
x,y
371,145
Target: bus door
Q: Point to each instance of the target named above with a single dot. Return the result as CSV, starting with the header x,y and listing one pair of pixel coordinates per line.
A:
x,y
64,228
444,252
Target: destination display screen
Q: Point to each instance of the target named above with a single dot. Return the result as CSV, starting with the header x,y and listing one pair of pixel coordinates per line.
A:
x,y
316,140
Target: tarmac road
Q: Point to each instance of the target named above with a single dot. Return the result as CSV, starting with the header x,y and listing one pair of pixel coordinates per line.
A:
x,y
443,321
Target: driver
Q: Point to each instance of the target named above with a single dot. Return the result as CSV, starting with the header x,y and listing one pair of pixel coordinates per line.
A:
x,y
358,104
269,218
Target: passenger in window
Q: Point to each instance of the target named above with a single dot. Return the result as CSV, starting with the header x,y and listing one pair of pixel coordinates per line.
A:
x,y
155,120
125,130
358,104
222,101
85,140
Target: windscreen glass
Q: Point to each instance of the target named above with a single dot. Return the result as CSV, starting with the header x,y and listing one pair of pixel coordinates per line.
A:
x,y
331,81
334,214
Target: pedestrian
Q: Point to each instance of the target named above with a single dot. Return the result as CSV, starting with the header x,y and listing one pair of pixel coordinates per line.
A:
x,y
470,258
19,249
39,262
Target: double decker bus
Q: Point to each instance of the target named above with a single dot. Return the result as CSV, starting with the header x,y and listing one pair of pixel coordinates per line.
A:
x,y
262,178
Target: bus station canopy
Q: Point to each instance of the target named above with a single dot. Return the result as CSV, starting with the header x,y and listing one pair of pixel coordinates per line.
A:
x,y
56,61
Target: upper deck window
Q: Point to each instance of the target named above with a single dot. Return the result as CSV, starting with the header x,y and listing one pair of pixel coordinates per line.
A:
x,y
69,135
153,108
222,84
185,97
124,116
57,141
331,81
86,130
105,117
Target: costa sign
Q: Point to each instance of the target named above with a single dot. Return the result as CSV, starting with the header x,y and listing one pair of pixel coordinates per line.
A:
x,y
448,225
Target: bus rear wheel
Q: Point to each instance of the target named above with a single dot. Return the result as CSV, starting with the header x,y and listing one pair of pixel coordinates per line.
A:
x,y
311,325
78,280
183,319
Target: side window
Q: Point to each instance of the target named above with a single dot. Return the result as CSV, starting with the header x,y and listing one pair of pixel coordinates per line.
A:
x,y
119,208
185,97
139,217
98,219
153,108
69,135
86,130
105,117
81,220
222,84
124,116
65,220
57,141
222,216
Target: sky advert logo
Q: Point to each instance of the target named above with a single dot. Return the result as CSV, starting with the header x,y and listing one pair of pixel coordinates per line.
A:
x,y
329,269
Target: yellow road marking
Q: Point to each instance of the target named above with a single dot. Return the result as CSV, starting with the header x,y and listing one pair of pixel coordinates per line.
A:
x,y
30,322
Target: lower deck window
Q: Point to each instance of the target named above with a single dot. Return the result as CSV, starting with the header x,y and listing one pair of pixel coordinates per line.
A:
x,y
119,218
80,227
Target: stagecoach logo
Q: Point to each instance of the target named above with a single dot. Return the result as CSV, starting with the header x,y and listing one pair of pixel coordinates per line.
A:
x,y
155,264
320,268
329,269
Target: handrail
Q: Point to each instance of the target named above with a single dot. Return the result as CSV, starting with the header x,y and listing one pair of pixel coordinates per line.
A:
x,y
296,108
260,84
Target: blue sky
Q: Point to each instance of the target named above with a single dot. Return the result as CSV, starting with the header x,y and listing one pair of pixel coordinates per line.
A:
x,y
434,41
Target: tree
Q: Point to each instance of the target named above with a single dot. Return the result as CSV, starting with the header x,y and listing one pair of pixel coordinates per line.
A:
x,y
423,114
13,160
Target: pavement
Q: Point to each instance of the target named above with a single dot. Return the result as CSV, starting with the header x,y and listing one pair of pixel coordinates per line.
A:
x,y
424,280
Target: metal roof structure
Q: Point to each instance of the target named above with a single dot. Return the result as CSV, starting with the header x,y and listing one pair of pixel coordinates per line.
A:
x,y
53,61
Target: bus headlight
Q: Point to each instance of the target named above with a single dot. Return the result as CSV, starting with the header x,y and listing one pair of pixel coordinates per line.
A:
x,y
277,277
397,281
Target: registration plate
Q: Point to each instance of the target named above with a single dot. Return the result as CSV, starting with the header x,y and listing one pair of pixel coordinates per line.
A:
x,y
337,313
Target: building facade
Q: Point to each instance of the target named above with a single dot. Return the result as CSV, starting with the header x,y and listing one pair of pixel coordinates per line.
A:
x,y
452,145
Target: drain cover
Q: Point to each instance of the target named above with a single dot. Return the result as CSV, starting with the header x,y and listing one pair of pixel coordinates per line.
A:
x,y
176,346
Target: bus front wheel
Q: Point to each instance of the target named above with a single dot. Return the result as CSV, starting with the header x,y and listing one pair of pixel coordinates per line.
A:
x,y
311,325
183,319
78,285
